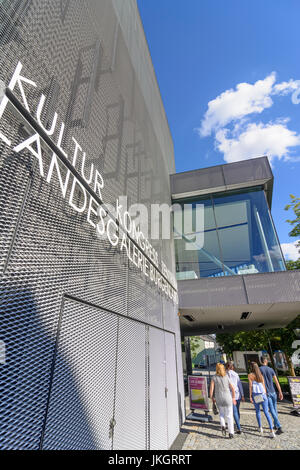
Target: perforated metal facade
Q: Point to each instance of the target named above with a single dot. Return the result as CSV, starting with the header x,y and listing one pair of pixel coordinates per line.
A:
x,y
83,329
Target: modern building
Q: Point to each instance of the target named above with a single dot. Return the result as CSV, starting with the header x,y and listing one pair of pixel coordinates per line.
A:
x,y
90,339
242,359
207,352
231,272
90,347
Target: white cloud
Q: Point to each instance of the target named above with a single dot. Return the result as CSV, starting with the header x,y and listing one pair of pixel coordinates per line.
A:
x,y
290,251
246,99
284,88
235,104
272,139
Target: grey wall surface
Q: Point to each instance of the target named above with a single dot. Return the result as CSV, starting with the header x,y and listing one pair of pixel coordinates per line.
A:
x,y
83,329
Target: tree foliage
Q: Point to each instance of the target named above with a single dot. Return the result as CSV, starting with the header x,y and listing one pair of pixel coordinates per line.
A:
x,y
253,340
283,338
293,265
195,342
295,232
295,206
257,340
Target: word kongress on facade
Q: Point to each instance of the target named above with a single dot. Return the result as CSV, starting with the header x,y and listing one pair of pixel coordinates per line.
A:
x,y
140,252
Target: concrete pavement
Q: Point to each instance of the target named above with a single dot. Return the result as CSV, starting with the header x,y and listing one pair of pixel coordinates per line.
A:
x,y
208,436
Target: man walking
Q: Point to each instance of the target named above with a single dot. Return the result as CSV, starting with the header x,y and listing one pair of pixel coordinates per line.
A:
x,y
268,375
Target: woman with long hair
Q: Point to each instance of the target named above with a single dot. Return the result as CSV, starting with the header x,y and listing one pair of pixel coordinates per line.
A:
x,y
258,396
222,393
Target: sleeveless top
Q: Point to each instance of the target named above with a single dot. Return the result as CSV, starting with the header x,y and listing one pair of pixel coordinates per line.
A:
x,y
257,387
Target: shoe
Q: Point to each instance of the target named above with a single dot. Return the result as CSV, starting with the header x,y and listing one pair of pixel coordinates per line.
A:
x,y
230,436
275,428
272,434
261,430
238,431
279,431
223,431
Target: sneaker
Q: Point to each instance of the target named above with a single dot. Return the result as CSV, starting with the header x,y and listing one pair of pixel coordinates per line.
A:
x,y
279,431
223,431
272,434
230,436
261,430
238,431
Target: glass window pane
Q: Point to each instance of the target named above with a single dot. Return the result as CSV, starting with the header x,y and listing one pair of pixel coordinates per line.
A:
x,y
196,247
247,237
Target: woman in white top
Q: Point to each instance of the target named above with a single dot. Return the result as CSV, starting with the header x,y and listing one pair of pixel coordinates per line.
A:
x,y
258,396
239,393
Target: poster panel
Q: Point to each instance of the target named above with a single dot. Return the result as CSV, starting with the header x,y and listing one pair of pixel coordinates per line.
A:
x,y
294,383
198,392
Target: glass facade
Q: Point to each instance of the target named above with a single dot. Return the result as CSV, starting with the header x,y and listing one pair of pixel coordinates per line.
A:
x,y
226,234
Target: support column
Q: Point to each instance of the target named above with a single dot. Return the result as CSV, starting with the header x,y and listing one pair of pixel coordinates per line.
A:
x,y
188,357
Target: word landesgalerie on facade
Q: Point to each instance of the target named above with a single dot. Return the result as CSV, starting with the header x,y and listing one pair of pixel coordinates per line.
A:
x,y
91,327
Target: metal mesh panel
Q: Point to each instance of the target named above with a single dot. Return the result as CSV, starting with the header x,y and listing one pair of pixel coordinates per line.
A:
x,y
130,412
158,407
273,287
249,170
172,389
252,288
181,394
143,303
137,45
197,180
211,292
27,320
222,177
81,400
170,315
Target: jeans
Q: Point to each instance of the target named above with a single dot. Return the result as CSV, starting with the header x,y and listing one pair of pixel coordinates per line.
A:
x,y
272,400
265,407
236,414
226,414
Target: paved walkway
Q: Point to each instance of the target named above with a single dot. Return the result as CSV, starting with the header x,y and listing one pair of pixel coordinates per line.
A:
x,y
207,436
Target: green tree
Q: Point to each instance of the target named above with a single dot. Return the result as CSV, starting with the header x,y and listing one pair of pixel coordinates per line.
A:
x,y
293,265
242,341
295,206
195,342
295,232
283,339
257,340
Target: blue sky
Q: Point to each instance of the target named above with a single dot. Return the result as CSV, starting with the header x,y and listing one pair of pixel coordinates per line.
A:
x,y
227,72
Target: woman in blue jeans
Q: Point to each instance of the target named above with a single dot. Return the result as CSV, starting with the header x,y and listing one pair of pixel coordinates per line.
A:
x,y
258,396
239,393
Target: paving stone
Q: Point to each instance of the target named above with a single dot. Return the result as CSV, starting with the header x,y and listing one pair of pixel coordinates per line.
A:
x,y
207,436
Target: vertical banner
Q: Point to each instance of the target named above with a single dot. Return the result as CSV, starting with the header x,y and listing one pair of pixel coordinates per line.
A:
x,y
198,392
294,383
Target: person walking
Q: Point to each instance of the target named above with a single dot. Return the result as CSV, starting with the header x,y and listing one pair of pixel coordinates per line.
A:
x,y
222,393
238,391
269,375
258,396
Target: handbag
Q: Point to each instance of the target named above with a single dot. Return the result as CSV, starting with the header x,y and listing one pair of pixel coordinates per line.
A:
x,y
215,409
258,398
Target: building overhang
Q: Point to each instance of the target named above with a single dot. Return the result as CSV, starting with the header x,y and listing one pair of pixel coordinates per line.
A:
x,y
215,305
229,177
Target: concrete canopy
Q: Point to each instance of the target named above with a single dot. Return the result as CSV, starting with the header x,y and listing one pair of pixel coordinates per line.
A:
x,y
215,305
